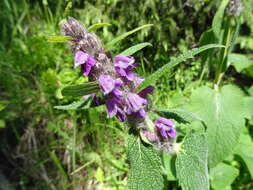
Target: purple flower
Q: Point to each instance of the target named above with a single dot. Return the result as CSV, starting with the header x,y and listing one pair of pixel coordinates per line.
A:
x,y
124,65
86,61
108,84
113,106
135,104
165,127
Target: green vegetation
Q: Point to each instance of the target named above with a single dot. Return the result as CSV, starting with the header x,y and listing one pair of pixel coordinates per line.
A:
x,y
45,145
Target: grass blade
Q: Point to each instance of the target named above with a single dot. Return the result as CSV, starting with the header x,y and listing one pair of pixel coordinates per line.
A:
x,y
97,26
121,37
164,69
132,50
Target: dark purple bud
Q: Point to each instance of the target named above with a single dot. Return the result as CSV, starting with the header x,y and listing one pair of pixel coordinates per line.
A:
x,y
165,127
148,90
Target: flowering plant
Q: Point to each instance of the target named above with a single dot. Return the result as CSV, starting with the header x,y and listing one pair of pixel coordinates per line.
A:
x,y
154,133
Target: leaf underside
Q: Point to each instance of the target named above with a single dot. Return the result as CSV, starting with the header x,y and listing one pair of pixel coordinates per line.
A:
x,y
191,163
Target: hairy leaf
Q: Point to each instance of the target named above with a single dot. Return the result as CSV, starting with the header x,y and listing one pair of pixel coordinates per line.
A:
x,y
59,39
123,36
135,48
223,112
180,115
222,176
191,163
81,89
164,69
72,106
145,166
97,26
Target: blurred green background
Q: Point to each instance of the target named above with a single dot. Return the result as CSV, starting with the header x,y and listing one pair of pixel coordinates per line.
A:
x,y
44,148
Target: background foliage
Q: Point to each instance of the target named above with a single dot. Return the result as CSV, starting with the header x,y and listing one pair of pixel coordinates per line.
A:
x,y
46,148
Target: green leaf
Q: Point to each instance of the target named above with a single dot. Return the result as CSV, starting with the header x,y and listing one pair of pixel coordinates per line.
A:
x,y
218,19
191,163
248,102
81,89
59,39
239,61
180,115
97,26
73,106
207,38
135,48
169,164
223,176
223,112
164,69
121,37
145,166
245,150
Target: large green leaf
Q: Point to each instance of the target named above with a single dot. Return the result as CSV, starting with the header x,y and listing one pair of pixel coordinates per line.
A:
x,y
218,19
164,69
81,89
145,166
191,163
222,176
239,61
135,48
223,112
245,150
122,36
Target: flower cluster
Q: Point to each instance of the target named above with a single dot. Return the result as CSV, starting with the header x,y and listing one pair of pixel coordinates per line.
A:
x,y
118,83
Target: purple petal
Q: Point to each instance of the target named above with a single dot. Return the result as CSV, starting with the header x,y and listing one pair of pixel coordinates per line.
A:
x,y
86,68
130,75
121,115
80,58
91,61
123,61
164,121
107,84
141,113
138,80
118,82
134,102
111,107
117,93
172,133
120,71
